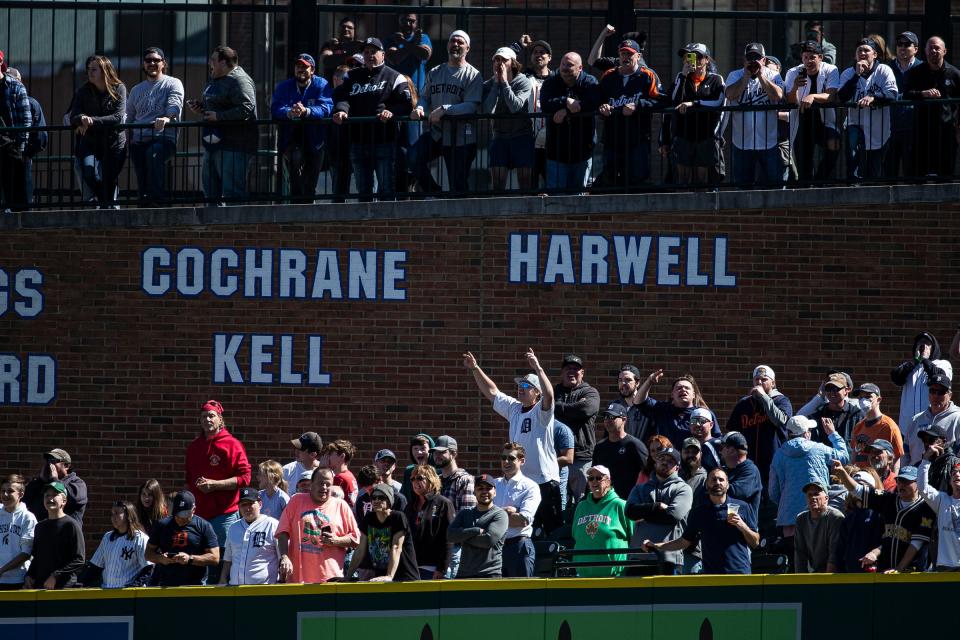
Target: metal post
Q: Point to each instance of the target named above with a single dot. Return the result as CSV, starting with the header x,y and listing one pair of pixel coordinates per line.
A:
x,y
620,15
304,37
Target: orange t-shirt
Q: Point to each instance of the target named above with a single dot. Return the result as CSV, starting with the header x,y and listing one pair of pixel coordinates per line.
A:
x,y
302,520
884,429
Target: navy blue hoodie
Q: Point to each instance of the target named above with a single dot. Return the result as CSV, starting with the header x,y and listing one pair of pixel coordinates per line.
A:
x,y
572,140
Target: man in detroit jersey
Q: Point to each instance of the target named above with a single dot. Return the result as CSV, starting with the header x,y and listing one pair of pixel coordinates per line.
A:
x,y
252,553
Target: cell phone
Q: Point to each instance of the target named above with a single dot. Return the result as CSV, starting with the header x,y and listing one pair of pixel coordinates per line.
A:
x,y
170,554
802,73
691,59
326,529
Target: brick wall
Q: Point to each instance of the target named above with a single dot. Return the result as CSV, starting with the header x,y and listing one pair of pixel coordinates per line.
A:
x,y
814,289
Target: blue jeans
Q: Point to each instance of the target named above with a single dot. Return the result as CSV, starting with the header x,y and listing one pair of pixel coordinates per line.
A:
x,y
457,159
692,565
100,172
518,559
567,176
150,158
221,524
368,159
746,161
224,174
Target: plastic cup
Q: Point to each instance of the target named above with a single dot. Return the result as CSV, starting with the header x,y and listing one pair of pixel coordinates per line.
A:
x,y
732,508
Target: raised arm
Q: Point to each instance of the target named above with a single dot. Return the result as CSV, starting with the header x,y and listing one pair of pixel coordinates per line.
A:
x,y
644,391
547,402
484,383
597,51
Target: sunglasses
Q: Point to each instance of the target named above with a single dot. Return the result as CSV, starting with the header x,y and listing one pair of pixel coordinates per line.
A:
x,y
595,478
152,60
416,478
526,386
699,421
939,392
905,44
510,458
831,389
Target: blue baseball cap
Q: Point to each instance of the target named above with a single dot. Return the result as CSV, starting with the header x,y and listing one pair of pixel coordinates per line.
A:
x,y
907,473
307,59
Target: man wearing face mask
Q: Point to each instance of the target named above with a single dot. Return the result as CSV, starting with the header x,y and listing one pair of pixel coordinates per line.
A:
x,y
874,426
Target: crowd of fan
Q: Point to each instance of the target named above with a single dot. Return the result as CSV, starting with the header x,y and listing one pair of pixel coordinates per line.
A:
x,y
378,83
838,486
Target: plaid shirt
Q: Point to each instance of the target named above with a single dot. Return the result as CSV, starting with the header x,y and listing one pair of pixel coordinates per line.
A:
x,y
458,489
15,95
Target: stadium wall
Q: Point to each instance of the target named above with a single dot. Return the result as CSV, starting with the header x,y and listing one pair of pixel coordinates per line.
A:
x,y
705,608
350,319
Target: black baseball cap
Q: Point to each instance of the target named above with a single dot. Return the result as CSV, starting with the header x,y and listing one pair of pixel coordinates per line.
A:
x,y
249,494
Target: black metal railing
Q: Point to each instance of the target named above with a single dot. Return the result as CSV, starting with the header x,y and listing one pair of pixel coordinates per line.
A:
x,y
750,146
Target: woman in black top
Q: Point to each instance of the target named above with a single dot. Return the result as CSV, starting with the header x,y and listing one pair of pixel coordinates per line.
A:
x,y
429,514
98,106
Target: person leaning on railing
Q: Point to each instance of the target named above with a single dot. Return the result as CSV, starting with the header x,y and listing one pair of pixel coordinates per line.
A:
x,y
813,82
937,130
508,92
101,147
14,112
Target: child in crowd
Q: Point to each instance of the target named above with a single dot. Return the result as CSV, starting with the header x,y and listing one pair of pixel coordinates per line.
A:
x,y
273,489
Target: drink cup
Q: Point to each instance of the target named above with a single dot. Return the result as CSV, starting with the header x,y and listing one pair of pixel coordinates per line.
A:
x,y
732,508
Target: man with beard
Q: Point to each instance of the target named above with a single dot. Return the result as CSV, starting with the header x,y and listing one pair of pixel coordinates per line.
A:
x,y
726,526
628,383
576,405
158,100
701,430
908,521
844,414
305,96
453,89
660,507
760,416
743,477
691,469
880,456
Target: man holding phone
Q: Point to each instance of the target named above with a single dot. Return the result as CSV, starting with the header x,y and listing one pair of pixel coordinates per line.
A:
x,y
813,130
755,142
182,545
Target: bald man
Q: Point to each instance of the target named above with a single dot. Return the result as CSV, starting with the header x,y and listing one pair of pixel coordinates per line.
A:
x,y
936,132
564,97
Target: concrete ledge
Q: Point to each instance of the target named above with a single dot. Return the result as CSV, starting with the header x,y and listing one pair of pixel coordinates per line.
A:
x,y
530,206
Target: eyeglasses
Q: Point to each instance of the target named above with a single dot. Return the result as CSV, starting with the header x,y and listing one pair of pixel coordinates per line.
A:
x,y
595,478
152,60
510,458
941,391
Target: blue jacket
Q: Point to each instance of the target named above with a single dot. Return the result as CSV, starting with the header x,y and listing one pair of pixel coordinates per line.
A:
x,y
317,97
671,421
798,462
745,484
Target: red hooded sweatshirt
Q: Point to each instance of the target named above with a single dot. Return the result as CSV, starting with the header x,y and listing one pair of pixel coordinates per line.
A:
x,y
218,458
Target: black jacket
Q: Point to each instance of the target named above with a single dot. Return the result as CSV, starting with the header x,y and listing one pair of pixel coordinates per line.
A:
x,y
572,140
900,374
106,111
695,125
577,408
368,92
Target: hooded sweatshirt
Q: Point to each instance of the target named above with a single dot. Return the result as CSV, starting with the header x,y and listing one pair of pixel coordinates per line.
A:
x,y
406,487
656,524
949,419
508,98
601,524
797,463
217,458
912,375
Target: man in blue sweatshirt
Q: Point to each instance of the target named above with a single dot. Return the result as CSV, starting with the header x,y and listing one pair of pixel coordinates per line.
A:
x,y
305,96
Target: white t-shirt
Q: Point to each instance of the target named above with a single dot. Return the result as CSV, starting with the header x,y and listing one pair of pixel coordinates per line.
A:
x,y
534,430
827,78
120,558
881,83
16,537
252,549
754,131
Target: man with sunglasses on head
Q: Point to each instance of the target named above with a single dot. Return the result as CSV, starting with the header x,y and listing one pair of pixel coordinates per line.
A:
x,y
844,414
940,412
158,100
531,420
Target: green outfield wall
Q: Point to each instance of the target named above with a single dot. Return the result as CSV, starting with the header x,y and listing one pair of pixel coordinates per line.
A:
x,y
699,608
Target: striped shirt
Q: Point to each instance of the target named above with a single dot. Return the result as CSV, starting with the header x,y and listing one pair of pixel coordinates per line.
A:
x,y
121,558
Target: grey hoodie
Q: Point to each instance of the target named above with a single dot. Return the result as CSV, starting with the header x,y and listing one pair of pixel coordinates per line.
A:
x,y
508,98
949,419
459,90
655,524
